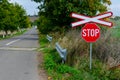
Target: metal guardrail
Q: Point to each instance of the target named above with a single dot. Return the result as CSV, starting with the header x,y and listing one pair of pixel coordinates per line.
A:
x,y
62,52
49,38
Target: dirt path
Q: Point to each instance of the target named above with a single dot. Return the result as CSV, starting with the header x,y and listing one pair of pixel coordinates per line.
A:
x,y
42,72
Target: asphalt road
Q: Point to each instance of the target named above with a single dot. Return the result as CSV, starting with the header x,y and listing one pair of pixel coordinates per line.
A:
x,y
18,57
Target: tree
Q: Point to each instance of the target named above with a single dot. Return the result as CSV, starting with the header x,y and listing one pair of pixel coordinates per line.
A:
x,y
5,18
23,21
58,11
12,16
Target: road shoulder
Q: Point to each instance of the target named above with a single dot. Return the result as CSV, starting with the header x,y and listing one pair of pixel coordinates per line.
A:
x,y
42,73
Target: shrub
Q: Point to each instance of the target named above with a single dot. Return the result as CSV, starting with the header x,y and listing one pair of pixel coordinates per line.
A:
x,y
44,25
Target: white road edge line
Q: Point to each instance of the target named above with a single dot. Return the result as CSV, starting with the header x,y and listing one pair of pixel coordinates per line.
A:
x,y
12,42
20,49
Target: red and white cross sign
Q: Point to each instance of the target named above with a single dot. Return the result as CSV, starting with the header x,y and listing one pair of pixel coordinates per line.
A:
x,y
96,19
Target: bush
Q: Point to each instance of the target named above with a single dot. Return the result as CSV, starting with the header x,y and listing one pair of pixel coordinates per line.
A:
x,y
44,25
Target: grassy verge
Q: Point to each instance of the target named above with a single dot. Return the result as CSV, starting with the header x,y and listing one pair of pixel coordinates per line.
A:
x,y
116,32
58,71
16,34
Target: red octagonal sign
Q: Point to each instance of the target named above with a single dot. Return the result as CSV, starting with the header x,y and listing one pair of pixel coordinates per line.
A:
x,y
90,32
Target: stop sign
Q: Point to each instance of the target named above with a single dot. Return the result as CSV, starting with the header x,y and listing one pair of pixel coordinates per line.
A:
x,y
90,32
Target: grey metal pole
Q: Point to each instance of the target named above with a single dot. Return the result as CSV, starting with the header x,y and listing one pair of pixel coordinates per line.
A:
x,y
90,56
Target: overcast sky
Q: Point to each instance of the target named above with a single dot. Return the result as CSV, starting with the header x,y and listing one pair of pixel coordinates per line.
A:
x,y
115,7
31,7
28,5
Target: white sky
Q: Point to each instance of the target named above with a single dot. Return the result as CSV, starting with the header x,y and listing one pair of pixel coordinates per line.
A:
x,y
115,7
28,5
31,6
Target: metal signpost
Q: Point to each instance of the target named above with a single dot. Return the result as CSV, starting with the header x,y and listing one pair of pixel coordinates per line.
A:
x,y
91,32
90,55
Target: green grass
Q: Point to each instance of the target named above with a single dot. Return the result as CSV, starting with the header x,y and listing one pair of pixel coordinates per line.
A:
x,y
116,32
58,71
116,29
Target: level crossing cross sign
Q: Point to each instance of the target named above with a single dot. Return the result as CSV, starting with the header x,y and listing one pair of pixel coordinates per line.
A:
x,y
90,32
96,19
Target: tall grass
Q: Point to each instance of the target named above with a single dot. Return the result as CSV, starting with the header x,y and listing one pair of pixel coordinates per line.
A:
x,y
106,49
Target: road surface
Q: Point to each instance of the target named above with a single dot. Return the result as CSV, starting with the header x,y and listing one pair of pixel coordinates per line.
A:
x,y
18,57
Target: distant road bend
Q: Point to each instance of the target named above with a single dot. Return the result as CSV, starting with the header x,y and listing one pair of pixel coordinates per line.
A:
x,y
18,57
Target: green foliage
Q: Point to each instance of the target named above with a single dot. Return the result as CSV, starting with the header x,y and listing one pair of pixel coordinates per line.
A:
x,y
12,17
49,63
116,18
115,74
57,12
116,33
44,25
116,22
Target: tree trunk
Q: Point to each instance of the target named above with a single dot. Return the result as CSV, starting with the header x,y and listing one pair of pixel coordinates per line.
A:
x,y
11,34
3,34
6,33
